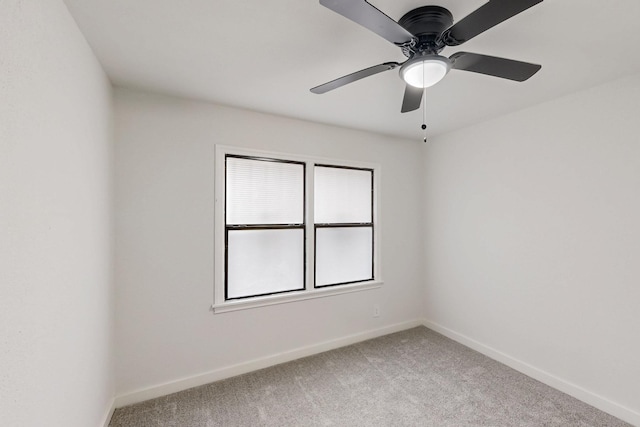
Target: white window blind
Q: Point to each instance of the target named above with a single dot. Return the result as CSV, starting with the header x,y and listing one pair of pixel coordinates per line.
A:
x,y
342,195
264,192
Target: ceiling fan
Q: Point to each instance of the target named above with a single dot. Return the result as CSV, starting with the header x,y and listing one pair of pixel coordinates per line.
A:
x,y
422,34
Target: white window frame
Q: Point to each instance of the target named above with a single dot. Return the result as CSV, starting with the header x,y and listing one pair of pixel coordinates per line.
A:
x,y
219,304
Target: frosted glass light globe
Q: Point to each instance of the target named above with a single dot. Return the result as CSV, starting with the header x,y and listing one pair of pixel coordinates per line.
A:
x,y
425,71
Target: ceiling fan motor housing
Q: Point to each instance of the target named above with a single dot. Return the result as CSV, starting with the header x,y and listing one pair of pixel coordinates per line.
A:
x,y
426,23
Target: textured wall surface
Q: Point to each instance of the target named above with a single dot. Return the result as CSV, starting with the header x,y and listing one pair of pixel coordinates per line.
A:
x,y
56,315
533,240
164,233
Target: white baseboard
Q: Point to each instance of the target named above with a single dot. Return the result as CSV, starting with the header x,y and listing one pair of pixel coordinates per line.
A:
x,y
556,382
106,419
253,365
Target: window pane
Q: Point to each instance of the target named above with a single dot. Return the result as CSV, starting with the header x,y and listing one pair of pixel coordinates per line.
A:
x,y
343,254
264,261
264,192
342,195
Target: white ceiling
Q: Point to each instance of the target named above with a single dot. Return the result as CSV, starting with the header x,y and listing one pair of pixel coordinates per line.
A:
x,y
266,55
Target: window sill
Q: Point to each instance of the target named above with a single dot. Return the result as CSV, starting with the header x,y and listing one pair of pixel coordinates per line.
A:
x,y
293,296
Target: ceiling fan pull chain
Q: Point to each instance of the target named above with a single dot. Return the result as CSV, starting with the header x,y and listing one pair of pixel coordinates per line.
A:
x,y
424,114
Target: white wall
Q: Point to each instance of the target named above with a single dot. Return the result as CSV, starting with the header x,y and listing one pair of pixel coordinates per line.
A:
x,y
532,233
164,243
56,314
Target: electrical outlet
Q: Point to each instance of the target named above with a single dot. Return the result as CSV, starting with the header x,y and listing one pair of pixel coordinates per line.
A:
x,y
376,310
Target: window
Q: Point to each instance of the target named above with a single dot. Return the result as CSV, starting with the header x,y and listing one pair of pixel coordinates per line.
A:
x,y
292,227
343,216
264,227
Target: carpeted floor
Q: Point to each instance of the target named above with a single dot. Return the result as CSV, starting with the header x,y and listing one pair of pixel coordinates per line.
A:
x,y
410,378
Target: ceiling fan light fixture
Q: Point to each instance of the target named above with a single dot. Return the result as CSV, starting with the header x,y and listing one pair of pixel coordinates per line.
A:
x,y
425,71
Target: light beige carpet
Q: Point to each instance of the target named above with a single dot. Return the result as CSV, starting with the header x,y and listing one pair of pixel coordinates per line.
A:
x,y
411,378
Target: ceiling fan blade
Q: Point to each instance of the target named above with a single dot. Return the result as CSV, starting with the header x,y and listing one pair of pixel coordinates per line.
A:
x,y
350,78
412,98
483,18
363,13
493,66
